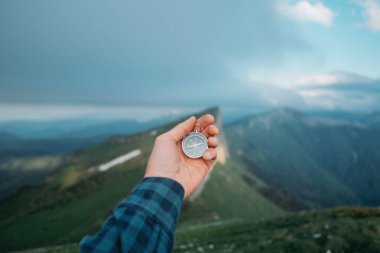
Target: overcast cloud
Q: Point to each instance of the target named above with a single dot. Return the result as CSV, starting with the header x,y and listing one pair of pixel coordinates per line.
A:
x,y
161,53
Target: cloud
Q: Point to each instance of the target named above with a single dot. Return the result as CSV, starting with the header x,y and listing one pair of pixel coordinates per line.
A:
x,y
15,112
172,53
307,11
326,79
371,10
338,91
134,53
349,100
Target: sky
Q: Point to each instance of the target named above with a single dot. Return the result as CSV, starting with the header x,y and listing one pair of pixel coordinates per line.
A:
x,y
61,59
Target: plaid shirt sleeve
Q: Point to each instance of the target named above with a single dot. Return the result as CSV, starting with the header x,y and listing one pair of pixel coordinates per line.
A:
x,y
145,221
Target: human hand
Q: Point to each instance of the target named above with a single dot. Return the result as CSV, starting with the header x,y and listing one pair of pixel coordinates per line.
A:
x,y
168,160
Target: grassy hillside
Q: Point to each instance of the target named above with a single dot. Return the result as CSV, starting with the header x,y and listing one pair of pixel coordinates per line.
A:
x,y
77,197
337,230
320,163
227,196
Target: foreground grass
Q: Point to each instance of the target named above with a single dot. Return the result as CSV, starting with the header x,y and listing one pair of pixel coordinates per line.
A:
x,y
335,230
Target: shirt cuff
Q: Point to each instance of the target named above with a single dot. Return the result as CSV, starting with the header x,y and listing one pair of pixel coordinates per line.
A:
x,y
160,198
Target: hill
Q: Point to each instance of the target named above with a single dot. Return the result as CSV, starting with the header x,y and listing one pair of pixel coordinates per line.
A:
x,y
320,163
80,192
335,230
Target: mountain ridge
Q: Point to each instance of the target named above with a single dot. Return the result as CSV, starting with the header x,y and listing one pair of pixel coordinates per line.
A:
x,y
314,157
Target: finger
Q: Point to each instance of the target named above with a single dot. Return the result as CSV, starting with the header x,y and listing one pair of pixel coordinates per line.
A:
x,y
209,154
183,128
205,121
212,142
211,130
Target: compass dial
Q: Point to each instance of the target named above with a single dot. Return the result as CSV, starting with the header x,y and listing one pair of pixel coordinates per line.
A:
x,y
194,145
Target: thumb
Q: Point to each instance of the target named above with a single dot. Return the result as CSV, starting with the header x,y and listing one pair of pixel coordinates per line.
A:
x,y
183,128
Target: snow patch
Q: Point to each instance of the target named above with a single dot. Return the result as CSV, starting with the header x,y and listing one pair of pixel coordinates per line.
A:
x,y
121,159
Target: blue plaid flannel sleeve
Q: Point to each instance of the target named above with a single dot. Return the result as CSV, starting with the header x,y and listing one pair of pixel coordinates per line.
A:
x,y
145,221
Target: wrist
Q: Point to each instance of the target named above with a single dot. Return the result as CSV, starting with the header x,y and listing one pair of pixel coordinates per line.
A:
x,y
183,185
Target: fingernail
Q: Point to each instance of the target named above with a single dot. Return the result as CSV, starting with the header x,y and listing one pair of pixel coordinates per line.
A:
x,y
207,155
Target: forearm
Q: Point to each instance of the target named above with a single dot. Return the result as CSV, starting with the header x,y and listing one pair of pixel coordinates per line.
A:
x,y
143,222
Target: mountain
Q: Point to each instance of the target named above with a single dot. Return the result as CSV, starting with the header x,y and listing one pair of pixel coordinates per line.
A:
x,y
78,195
313,162
80,128
372,120
33,129
109,128
120,127
347,116
7,138
11,145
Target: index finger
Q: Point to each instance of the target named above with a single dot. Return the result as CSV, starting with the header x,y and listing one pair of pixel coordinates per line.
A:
x,y
205,121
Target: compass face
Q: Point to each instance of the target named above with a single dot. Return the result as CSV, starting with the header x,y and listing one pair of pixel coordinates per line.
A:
x,y
194,145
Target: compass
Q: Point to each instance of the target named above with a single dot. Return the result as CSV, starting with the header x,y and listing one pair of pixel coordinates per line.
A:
x,y
195,143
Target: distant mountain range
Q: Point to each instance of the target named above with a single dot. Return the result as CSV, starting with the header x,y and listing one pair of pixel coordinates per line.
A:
x,y
13,145
79,128
268,164
322,163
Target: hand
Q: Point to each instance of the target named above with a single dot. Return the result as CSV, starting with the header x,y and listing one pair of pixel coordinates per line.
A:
x,y
168,160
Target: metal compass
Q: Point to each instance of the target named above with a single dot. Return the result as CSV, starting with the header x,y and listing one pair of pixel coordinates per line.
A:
x,y
195,143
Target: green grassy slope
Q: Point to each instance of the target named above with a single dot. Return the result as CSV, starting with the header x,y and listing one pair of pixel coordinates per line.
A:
x,y
75,201
227,196
336,230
